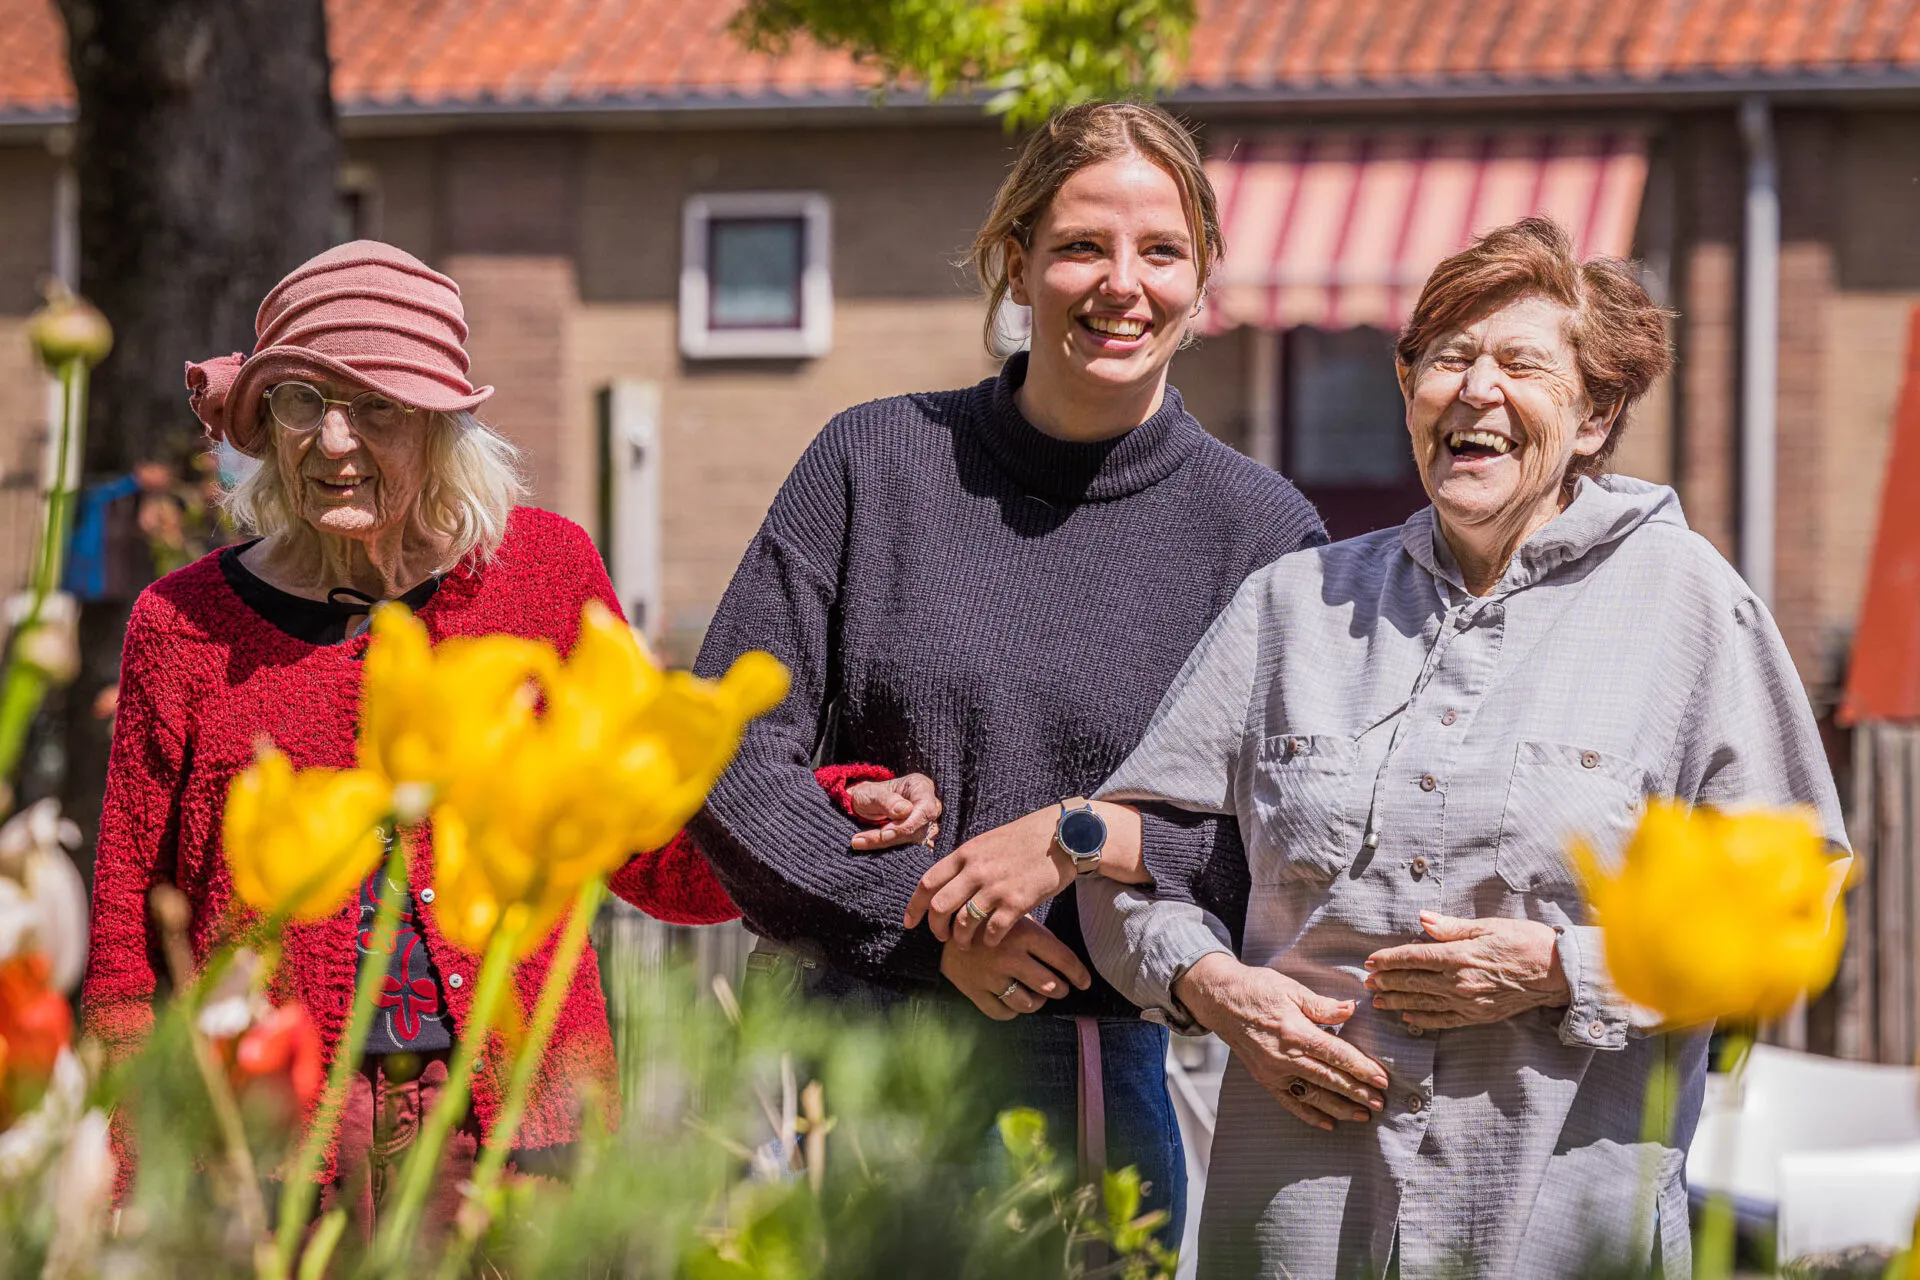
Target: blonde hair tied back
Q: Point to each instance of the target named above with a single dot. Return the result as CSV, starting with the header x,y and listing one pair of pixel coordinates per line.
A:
x,y
1072,140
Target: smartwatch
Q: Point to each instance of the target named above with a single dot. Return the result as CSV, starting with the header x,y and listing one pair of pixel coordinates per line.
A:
x,y
1081,834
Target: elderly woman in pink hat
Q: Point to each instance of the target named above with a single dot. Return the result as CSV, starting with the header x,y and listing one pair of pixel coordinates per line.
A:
x,y
377,483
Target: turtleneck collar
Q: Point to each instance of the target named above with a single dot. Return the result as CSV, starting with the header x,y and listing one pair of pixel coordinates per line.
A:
x,y
1064,470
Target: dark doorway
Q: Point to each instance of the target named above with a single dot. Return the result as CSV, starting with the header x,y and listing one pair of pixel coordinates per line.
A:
x,y
1343,429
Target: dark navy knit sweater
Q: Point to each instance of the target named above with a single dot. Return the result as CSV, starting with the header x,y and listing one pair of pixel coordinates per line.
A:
x,y
961,595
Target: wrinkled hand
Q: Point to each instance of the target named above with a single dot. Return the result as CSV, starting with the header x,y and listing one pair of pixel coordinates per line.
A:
x,y
1034,963
904,810
1474,971
1273,1025
1005,873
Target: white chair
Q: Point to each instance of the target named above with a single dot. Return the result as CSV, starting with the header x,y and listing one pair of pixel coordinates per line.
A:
x,y
1820,1114
1834,1200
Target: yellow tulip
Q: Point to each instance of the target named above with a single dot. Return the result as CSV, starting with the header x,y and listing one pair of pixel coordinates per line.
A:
x,y
684,730
621,759
435,718
300,844
1713,916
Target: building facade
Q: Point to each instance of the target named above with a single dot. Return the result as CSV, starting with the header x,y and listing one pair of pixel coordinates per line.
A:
x,y
680,259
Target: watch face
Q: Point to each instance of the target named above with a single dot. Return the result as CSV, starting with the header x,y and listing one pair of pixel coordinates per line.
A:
x,y
1083,832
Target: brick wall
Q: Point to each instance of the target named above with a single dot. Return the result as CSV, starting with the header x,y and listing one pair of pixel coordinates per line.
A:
x,y
1706,155
1866,354
26,256
518,310
1806,147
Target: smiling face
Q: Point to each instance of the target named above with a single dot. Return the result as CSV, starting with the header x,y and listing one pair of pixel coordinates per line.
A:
x,y
1497,411
1111,278
351,482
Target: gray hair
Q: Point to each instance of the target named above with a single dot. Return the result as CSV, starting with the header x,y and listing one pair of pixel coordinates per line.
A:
x,y
474,480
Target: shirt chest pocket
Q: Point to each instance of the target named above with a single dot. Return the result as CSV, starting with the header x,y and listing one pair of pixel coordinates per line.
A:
x,y
1302,795
1560,794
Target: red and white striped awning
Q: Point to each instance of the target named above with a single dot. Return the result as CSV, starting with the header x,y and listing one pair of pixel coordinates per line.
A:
x,y
1336,230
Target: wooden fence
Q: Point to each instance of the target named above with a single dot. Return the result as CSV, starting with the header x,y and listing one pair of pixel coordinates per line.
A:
x,y
1873,1012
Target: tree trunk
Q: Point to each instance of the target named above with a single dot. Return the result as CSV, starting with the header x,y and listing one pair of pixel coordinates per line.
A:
x,y
207,158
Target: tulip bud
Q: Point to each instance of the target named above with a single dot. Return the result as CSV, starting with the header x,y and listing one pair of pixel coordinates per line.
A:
x,y
52,647
69,328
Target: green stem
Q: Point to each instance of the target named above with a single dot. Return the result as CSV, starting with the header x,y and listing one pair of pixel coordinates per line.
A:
x,y
24,684
298,1192
526,1065
423,1162
1713,1251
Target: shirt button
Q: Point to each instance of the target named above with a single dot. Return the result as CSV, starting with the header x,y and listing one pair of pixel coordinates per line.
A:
x,y
1418,867
455,981
1596,1028
426,895
1449,718
1429,782
1416,1030
1416,1104
1589,759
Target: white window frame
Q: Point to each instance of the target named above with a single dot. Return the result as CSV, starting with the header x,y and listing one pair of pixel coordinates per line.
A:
x,y
814,336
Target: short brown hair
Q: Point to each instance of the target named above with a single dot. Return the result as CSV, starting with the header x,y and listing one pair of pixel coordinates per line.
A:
x,y
1070,141
1619,335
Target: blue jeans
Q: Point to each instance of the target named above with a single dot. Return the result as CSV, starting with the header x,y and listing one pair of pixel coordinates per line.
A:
x,y
1043,1053
1036,1058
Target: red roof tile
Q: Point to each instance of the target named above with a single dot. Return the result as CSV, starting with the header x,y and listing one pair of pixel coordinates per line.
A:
x,y
434,54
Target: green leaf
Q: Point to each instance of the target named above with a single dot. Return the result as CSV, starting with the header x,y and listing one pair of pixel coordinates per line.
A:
x,y
1122,1188
1064,51
1023,1130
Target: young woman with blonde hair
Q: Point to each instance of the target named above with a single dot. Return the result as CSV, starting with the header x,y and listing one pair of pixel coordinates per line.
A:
x,y
993,587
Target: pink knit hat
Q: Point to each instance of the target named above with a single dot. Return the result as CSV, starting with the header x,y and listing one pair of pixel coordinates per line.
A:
x,y
362,312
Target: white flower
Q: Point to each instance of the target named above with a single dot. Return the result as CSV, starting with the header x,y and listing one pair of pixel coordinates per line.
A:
x,y
43,902
37,1135
235,1001
82,1192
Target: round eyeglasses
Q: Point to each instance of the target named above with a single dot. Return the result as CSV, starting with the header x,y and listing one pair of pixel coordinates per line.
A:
x,y
299,406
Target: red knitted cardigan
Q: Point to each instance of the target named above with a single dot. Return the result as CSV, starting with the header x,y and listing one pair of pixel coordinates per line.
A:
x,y
203,678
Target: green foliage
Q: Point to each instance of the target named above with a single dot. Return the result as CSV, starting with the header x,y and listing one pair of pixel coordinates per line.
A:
x,y
1032,56
764,1140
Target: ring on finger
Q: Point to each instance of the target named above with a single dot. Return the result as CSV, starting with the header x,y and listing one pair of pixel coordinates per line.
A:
x,y
974,909
1011,988
1298,1088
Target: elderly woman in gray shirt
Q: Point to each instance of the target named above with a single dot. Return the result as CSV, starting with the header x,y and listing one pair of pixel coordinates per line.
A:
x,y
1431,1070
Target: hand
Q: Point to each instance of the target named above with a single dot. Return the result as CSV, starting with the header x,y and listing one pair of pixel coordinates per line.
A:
x,y
1031,961
905,810
1004,873
1475,971
1273,1025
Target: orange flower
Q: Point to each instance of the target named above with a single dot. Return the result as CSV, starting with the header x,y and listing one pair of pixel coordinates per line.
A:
x,y
282,1045
35,1025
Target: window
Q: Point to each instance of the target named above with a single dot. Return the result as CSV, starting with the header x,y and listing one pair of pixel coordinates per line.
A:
x,y
356,205
1343,429
754,279
1345,419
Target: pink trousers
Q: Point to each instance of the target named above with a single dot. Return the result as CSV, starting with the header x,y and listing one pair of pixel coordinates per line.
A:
x,y
381,1122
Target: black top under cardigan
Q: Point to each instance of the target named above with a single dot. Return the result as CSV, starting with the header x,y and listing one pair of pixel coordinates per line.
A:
x,y
990,606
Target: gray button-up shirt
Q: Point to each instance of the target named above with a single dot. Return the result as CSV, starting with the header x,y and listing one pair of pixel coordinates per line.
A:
x,y
1391,744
